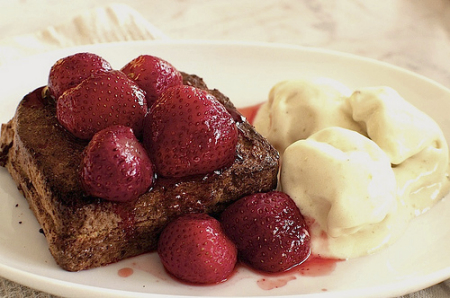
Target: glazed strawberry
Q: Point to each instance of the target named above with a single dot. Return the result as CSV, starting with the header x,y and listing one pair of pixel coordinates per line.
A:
x,y
105,99
68,72
154,75
194,248
269,231
188,131
115,166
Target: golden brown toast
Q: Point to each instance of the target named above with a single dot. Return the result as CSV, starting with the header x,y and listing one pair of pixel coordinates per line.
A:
x,y
85,232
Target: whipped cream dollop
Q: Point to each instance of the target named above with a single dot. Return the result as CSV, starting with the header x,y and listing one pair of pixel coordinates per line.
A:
x,y
359,165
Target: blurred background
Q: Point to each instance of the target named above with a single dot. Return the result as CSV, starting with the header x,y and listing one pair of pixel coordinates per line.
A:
x,y
413,34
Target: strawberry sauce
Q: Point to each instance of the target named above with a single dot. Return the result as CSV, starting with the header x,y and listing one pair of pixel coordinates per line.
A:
x,y
316,266
313,267
125,272
270,283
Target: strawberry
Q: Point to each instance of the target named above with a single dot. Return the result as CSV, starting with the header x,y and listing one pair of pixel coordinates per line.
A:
x,y
269,231
115,165
70,71
188,132
105,99
154,75
193,248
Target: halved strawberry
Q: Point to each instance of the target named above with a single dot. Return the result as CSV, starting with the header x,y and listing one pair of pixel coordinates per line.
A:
x,y
70,71
269,231
194,248
102,100
115,165
188,131
154,75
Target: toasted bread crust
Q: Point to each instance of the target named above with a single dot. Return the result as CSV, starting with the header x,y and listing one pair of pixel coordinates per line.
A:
x,y
85,232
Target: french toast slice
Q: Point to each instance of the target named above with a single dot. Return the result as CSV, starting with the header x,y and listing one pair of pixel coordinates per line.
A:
x,y
85,232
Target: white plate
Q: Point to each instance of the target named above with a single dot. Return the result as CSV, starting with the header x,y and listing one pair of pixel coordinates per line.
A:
x,y
244,72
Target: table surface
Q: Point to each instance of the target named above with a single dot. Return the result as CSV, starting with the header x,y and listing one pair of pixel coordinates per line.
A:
x,y
412,34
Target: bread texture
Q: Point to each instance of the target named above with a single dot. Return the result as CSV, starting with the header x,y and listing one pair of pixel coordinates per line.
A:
x,y
85,232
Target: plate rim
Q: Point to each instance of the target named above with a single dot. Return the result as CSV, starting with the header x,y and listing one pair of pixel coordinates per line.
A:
x,y
60,285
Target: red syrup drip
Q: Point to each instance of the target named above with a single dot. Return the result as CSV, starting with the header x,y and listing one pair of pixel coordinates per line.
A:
x,y
147,263
317,266
250,112
313,267
270,283
125,272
